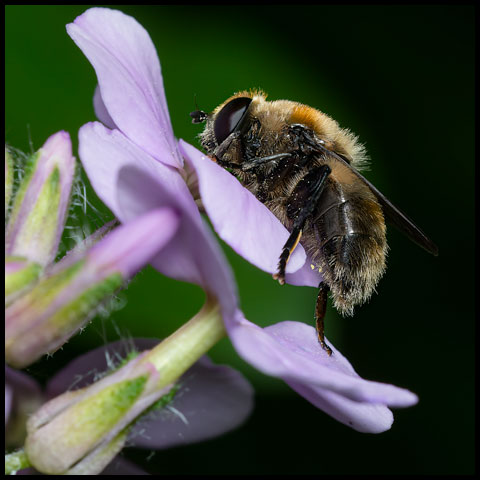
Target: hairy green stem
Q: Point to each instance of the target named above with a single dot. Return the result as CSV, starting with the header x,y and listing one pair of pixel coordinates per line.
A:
x,y
184,347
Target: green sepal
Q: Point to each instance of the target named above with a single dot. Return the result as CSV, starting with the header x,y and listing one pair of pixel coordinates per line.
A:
x,y
17,282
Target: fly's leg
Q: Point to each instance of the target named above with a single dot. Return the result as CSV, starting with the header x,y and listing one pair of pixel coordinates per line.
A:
x,y
310,187
320,311
288,249
257,161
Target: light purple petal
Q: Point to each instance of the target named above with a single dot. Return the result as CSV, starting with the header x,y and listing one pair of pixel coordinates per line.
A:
x,y
290,350
101,110
129,247
104,152
238,217
244,222
363,417
194,255
132,183
129,76
212,399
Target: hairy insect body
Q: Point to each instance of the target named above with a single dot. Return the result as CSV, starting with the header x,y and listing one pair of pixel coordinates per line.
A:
x,y
345,234
306,170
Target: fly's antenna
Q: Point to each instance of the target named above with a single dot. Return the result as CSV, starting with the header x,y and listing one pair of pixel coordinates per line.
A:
x,y
198,116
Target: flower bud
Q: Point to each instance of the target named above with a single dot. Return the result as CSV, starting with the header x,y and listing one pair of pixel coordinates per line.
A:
x,y
67,297
40,205
91,423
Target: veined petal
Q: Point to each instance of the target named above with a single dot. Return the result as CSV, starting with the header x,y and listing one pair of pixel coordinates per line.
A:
x,y
129,77
131,183
101,110
361,416
238,217
290,350
39,210
129,247
104,152
63,301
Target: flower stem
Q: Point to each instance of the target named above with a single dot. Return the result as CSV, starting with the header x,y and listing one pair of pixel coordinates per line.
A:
x,y
184,347
16,461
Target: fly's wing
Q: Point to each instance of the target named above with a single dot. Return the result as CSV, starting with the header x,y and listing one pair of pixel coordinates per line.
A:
x,y
392,213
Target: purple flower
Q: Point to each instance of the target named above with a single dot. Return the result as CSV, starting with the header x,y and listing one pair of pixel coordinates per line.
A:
x,y
46,302
142,169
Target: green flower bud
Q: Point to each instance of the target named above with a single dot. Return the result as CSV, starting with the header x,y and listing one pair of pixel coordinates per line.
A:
x,y
41,203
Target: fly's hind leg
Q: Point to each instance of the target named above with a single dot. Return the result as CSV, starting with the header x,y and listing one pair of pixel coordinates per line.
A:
x,y
320,311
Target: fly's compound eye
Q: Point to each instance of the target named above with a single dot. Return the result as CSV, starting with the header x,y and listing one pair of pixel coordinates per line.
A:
x,y
230,117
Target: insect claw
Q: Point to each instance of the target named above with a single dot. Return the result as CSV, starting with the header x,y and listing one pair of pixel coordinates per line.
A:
x,y
326,347
281,278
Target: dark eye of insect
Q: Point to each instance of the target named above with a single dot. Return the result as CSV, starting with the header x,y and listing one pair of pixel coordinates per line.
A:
x,y
229,117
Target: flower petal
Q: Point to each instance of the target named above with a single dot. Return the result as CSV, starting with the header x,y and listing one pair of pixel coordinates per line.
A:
x,y
363,417
132,183
194,255
129,247
212,399
100,151
130,78
101,110
290,350
238,217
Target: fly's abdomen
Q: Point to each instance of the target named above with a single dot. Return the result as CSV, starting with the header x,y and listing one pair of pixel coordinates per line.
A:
x,y
348,232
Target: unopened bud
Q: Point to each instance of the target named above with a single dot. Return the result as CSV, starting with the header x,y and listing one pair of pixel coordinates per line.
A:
x,y
40,205
65,299
91,423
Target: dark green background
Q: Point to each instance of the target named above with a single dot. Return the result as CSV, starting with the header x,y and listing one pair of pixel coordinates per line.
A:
x,y
402,78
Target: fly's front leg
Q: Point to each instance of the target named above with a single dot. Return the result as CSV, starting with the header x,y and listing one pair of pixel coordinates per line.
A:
x,y
288,249
257,161
220,151
302,203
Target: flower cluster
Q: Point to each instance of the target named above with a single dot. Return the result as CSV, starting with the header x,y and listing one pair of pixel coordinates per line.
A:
x,y
144,175
47,302
81,430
